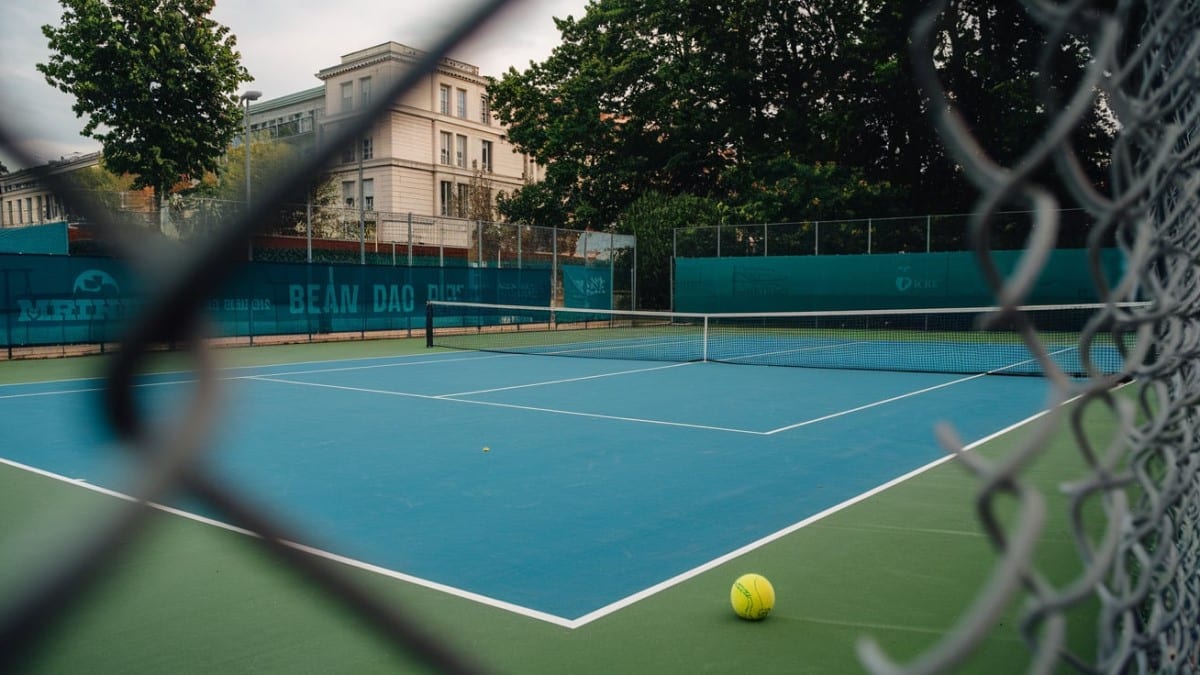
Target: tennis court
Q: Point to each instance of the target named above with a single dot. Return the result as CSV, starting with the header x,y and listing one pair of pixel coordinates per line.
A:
x,y
556,488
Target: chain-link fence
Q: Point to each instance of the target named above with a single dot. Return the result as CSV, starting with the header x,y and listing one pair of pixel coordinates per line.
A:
x,y
1010,231
329,234
1141,561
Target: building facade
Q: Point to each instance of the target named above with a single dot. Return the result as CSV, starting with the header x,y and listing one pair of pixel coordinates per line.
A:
x,y
436,145
439,153
25,199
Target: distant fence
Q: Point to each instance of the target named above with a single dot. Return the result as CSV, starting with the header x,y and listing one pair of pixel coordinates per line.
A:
x,y
911,234
881,281
63,300
301,233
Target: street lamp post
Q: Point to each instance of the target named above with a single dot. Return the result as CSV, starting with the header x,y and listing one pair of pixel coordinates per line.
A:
x,y
247,97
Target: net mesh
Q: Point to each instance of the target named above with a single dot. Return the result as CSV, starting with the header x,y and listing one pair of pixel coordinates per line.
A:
x,y
967,340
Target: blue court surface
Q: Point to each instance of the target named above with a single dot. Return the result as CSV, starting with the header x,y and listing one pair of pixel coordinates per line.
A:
x,y
556,487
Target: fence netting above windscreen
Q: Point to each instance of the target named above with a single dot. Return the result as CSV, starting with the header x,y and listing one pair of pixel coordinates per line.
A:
x,y
966,340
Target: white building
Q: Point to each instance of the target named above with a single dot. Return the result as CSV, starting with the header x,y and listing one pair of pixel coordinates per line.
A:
x,y
421,158
423,155
27,200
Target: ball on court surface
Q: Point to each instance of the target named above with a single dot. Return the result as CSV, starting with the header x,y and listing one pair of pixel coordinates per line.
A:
x,y
752,597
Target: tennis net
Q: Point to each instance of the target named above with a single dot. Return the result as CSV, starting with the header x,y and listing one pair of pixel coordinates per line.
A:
x,y
927,340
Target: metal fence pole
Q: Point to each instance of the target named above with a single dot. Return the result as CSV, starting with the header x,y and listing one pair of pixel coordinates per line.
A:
x,y
671,267
928,230
868,236
410,239
362,220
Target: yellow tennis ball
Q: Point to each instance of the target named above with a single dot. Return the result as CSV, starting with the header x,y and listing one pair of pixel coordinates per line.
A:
x,y
752,597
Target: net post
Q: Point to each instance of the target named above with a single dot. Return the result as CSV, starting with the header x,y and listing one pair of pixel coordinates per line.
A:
x,y
428,325
704,342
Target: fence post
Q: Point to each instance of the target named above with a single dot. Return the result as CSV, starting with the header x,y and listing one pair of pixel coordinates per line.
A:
x,y
817,238
553,265
869,236
928,228
765,229
633,303
410,239
671,267
308,230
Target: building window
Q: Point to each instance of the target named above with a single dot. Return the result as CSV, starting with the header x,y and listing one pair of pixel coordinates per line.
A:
x,y
462,103
10,213
368,188
368,148
447,197
348,193
348,155
444,98
364,92
485,109
485,156
460,151
347,96
463,199
447,139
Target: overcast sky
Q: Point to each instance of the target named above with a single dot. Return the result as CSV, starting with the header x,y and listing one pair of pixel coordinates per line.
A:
x,y
283,45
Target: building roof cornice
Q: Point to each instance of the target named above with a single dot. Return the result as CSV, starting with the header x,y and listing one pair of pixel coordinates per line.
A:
x,y
396,52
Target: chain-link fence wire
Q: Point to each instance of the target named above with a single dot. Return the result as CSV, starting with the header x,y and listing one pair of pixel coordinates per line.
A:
x,y
305,232
171,453
1141,561
898,234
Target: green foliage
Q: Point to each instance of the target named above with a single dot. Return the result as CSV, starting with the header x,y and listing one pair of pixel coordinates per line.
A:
x,y
653,219
777,188
102,185
227,186
777,111
155,80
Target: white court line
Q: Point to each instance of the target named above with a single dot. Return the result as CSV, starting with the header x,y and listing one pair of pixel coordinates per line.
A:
x,y
608,609
349,562
228,368
565,380
873,404
721,560
235,377
511,406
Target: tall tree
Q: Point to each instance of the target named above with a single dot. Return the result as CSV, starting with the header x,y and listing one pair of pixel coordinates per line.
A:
x,y
692,97
156,80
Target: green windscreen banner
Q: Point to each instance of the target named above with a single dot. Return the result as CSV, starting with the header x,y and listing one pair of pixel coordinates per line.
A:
x,y
877,281
51,300
50,238
587,287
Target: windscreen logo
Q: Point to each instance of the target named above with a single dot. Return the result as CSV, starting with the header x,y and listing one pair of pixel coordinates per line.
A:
x,y
590,287
95,296
905,283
